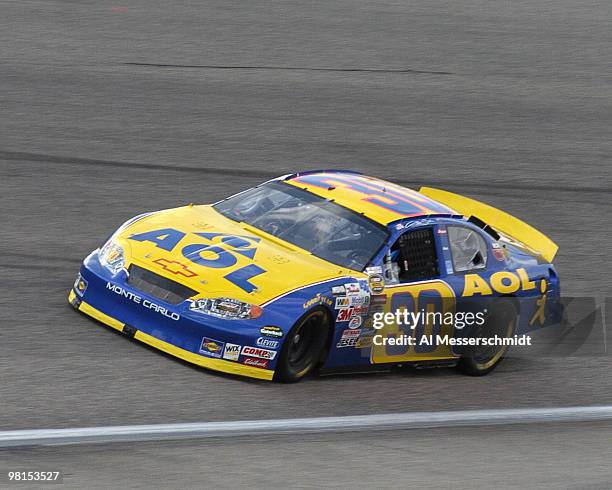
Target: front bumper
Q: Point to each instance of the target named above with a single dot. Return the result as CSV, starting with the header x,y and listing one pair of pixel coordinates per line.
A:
x,y
177,338
185,355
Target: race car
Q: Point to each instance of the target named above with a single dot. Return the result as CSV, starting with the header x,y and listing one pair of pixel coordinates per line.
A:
x,y
315,271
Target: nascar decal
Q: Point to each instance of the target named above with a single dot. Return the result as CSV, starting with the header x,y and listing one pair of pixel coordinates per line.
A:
x,y
217,250
211,347
144,302
376,283
258,352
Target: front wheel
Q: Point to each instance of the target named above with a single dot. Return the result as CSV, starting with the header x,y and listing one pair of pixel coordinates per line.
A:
x,y
500,321
304,346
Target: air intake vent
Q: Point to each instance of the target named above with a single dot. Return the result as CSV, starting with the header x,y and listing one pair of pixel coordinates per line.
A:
x,y
417,255
158,286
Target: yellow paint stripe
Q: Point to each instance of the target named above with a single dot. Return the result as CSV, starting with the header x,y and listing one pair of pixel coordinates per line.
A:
x,y
209,363
101,317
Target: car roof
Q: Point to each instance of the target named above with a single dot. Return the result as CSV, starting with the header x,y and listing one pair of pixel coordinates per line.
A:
x,y
377,199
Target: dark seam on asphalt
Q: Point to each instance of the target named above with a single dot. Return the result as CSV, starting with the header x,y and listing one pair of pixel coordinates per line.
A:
x,y
63,160
41,257
291,68
33,267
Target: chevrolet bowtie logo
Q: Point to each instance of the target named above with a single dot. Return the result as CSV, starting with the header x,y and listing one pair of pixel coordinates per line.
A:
x,y
175,267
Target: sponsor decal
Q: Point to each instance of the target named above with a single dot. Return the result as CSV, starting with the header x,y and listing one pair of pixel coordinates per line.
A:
x,y
342,302
379,299
374,270
355,322
175,267
359,300
502,282
347,342
146,303
344,315
338,290
80,285
441,230
232,352
449,266
365,341
498,252
318,300
348,333
376,283
250,351
258,363
346,301
211,347
352,288
225,252
269,331
269,343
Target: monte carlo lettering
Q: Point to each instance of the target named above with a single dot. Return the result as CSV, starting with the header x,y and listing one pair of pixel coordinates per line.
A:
x,y
144,302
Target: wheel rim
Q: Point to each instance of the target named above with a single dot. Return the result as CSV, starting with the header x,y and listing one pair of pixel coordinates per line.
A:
x,y
303,341
503,326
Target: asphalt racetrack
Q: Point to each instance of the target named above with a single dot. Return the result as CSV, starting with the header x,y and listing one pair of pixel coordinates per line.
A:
x,y
110,109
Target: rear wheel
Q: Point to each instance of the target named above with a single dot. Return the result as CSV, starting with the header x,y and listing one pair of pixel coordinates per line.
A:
x,y
304,346
500,321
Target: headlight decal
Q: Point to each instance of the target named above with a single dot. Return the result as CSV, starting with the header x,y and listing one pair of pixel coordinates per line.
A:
x,y
112,257
228,308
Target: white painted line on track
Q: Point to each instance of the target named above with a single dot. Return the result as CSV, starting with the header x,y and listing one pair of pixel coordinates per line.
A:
x,y
411,420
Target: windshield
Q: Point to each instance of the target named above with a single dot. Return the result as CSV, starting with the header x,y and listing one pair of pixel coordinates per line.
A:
x,y
320,226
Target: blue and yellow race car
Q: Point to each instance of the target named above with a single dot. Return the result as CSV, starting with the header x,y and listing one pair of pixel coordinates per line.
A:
x,y
324,270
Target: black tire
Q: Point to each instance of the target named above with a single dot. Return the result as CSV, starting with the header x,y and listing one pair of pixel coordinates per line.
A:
x,y
501,320
304,346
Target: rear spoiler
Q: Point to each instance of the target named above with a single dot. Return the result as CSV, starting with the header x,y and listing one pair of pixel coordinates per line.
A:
x,y
500,221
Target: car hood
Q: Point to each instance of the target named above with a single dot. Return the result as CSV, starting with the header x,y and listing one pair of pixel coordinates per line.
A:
x,y
217,257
